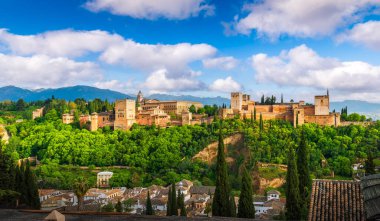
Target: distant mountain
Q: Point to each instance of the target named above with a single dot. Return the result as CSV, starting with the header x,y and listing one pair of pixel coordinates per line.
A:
x,y
204,100
67,93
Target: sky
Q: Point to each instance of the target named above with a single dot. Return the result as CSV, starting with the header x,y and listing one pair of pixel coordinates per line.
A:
x,y
298,48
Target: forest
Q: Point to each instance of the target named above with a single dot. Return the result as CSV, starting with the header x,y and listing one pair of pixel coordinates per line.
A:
x,y
161,156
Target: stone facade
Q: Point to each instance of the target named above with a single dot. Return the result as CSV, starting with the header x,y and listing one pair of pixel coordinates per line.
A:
x,y
38,113
170,107
153,117
297,113
125,114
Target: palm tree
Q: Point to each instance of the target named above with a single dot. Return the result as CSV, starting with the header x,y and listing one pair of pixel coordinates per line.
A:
x,y
80,188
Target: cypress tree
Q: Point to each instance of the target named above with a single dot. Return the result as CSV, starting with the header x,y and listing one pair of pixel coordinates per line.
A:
x,y
261,122
181,204
254,114
304,175
369,164
33,199
220,203
173,205
282,98
293,204
169,203
262,99
246,208
6,164
149,208
232,206
252,117
119,207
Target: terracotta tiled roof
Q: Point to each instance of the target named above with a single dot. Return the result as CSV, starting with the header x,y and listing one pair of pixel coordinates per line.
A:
x,y
371,194
336,200
202,189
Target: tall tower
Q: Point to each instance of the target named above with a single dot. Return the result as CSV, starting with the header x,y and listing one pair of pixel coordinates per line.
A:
x,y
125,114
236,100
140,98
94,122
322,105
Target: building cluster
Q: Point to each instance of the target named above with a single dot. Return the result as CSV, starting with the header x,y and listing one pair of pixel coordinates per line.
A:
x,y
143,112
296,112
197,199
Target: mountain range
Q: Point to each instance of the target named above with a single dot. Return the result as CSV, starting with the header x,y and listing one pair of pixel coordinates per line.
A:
x,y
89,93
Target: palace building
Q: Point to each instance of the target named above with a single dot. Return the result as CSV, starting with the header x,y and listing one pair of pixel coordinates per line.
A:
x,y
297,113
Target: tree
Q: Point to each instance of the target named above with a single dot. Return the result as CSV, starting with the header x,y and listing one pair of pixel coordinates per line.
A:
x,y
173,205
181,203
304,174
149,208
33,199
261,123
293,201
254,114
6,166
169,203
192,109
246,208
108,207
282,98
220,203
262,99
80,187
369,164
232,206
20,105
119,207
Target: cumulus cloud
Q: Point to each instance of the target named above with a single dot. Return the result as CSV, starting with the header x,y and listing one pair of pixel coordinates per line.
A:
x,y
59,43
148,9
42,71
301,18
112,49
115,85
173,58
301,66
225,85
367,34
224,63
158,81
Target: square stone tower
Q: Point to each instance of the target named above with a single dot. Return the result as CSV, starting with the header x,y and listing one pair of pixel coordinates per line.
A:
x,y
236,100
125,114
322,105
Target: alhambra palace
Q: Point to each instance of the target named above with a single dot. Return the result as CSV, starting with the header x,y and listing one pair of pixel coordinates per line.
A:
x,y
169,113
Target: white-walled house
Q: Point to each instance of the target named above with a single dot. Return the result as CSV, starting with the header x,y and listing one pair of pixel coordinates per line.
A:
x,y
273,195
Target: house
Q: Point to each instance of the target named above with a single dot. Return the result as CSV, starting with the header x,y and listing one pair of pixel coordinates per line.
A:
x,y
259,203
44,194
273,194
370,188
103,178
201,190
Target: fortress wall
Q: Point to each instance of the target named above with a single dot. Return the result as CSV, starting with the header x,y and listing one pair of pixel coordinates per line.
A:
x,y
328,120
263,108
278,108
309,110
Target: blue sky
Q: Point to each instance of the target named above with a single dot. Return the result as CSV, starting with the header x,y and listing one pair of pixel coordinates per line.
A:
x,y
199,47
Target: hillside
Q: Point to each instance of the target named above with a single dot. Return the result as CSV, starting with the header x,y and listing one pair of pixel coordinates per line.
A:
x,y
67,93
272,175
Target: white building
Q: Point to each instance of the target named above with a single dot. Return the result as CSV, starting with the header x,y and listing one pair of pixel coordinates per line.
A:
x,y
103,179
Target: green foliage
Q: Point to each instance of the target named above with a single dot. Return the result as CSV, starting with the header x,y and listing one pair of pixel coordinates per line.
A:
x,y
173,201
108,208
80,188
246,208
169,203
192,109
32,196
293,206
119,207
232,206
149,208
221,204
304,175
181,203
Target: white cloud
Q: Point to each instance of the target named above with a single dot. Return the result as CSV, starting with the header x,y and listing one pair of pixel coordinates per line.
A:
x,y
301,66
42,71
301,18
159,81
59,43
224,63
173,58
152,9
225,85
115,85
367,34
112,49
